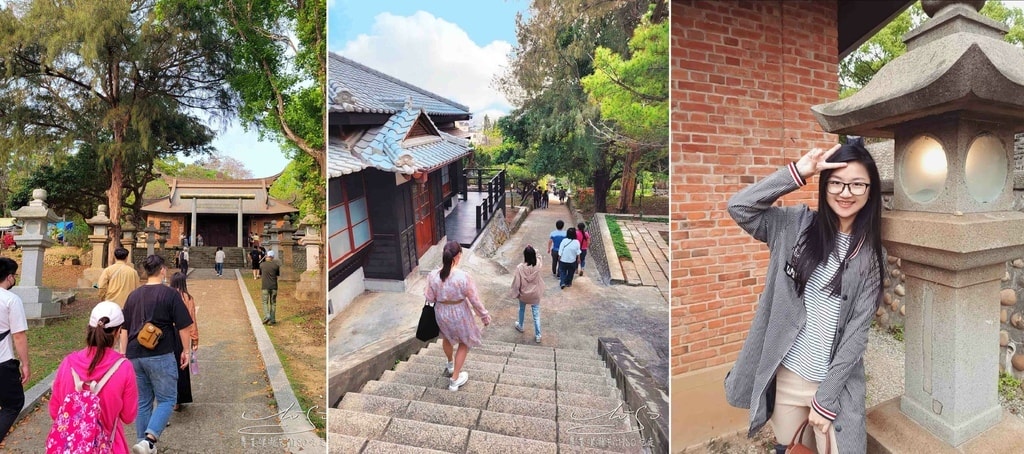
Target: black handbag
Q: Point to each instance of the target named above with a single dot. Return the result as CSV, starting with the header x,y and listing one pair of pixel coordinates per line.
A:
x,y
427,329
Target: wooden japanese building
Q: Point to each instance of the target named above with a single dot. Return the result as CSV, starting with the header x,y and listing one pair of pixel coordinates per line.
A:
x,y
224,212
395,158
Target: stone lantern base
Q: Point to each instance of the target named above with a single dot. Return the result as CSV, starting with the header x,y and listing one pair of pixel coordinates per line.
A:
x,y
38,302
310,287
90,277
892,432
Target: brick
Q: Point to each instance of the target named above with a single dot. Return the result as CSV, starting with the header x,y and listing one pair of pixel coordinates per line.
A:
x,y
745,75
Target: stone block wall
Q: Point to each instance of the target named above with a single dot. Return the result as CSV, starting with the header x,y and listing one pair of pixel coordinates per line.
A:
x,y
744,76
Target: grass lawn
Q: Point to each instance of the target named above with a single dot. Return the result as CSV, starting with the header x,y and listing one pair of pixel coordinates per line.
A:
x,y
618,241
300,338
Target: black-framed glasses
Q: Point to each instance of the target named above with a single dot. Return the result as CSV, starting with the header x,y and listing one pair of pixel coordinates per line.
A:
x,y
836,187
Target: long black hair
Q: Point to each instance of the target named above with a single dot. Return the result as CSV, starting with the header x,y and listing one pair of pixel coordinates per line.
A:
x,y
451,249
819,239
530,256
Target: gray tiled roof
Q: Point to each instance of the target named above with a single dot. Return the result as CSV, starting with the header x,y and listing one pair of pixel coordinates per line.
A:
x,y
384,147
352,87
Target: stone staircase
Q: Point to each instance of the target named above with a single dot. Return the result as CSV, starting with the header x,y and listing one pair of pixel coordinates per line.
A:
x,y
519,398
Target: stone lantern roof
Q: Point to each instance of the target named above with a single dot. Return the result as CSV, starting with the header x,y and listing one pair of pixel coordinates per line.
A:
x,y
947,58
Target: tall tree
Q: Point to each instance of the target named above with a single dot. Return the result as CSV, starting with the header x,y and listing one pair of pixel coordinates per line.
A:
x,y
857,69
557,41
125,77
280,70
632,94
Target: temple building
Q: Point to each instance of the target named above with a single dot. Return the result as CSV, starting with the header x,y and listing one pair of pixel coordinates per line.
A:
x,y
395,160
225,212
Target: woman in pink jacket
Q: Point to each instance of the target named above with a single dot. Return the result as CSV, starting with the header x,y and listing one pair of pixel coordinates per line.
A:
x,y
455,299
528,288
119,396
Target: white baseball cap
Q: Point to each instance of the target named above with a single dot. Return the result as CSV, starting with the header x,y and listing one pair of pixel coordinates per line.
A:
x,y
108,309
270,253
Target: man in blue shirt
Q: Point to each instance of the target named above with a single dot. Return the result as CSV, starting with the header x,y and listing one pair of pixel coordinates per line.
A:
x,y
554,241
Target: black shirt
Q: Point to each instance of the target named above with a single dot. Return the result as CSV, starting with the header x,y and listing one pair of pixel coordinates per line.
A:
x,y
168,313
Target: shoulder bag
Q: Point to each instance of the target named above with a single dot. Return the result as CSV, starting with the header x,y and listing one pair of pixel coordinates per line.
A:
x,y
427,329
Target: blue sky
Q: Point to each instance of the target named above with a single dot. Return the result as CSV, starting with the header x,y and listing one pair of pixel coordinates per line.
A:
x,y
454,48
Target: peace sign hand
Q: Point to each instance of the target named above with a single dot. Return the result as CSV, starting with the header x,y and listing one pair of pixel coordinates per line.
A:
x,y
815,161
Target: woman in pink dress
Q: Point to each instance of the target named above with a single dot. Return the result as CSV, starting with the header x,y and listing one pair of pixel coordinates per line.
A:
x,y
456,298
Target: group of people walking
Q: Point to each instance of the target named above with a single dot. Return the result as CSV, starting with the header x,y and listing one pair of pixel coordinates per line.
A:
x,y
139,343
456,299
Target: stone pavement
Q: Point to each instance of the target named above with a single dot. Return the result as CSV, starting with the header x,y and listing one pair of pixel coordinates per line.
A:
x,y
649,250
572,318
231,392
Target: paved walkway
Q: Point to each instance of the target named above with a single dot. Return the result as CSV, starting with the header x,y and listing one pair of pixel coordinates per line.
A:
x,y
649,250
230,390
572,318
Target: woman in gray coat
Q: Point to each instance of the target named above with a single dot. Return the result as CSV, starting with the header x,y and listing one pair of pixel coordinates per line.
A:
x,y
803,357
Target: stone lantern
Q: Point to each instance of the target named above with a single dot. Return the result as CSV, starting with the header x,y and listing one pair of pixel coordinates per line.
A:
x,y
285,253
952,104
151,231
100,227
34,240
311,283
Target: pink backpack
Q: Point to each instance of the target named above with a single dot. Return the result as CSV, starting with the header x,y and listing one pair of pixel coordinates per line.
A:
x,y
77,428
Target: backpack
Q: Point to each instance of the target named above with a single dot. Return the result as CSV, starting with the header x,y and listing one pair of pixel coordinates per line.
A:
x,y
77,428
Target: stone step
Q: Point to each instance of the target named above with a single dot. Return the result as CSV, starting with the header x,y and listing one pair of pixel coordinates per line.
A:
x,y
519,398
481,442
344,444
575,364
610,429
471,386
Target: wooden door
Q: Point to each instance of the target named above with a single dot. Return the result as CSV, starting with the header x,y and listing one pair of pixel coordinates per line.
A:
x,y
423,211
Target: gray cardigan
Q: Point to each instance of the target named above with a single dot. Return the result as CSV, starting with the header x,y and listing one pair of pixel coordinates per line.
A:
x,y
781,315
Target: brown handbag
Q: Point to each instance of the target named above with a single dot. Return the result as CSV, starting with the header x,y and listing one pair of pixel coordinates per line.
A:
x,y
149,336
795,447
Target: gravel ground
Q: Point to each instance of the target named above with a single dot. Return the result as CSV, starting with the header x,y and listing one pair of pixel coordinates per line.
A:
x,y
883,364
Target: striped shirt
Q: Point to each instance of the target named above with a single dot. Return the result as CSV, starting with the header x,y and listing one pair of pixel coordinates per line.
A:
x,y
809,356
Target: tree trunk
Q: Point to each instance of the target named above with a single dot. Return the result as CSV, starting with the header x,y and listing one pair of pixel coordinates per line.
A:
x,y
602,183
114,202
628,180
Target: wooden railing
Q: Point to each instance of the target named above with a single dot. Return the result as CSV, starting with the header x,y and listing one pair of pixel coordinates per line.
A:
x,y
492,181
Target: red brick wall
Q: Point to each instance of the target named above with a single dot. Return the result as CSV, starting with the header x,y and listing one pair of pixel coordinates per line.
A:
x,y
744,76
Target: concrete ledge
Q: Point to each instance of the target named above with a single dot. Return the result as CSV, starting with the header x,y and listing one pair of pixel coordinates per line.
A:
x,y
517,220
700,412
891,431
35,394
297,428
349,374
614,268
640,392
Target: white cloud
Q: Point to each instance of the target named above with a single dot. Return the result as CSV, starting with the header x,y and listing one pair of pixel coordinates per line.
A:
x,y
436,55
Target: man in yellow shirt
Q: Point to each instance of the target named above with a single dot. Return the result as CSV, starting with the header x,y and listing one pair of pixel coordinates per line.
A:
x,y
119,279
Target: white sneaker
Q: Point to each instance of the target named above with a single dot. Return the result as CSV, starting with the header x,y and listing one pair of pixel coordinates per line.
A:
x,y
519,327
143,447
453,385
449,369
537,339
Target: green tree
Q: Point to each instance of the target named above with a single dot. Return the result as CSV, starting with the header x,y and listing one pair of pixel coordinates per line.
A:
x,y
553,120
125,77
632,94
280,80
857,69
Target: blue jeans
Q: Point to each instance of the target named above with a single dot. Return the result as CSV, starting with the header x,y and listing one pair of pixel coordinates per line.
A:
x,y
536,316
157,378
583,259
219,267
270,304
566,271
